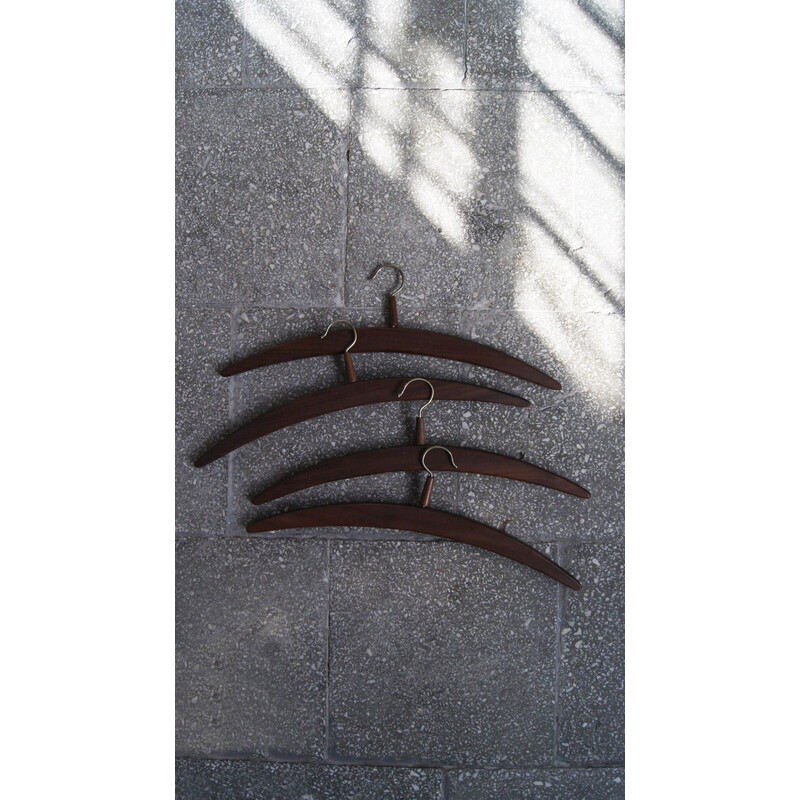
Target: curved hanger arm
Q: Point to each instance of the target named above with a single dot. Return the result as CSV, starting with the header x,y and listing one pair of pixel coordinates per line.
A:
x,y
396,340
419,520
407,459
349,395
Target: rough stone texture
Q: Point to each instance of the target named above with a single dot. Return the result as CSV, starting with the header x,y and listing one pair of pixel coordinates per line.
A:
x,y
577,432
560,45
473,192
439,653
236,780
600,207
251,619
316,139
591,697
208,43
380,44
201,409
260,188
537,784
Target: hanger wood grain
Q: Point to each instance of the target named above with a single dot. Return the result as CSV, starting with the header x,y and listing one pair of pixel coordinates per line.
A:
x,y
418,520
396,340
350,395
407,459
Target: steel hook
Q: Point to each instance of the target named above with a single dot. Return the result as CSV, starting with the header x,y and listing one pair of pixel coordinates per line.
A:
x,y
348,360
427,490
399,272
344,322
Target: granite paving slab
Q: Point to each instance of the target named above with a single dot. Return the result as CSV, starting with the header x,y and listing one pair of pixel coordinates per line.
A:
x,y
538,784
260,198
440,653
235,780
591,679
208,43
559,45
352,44
577,432
251,624
203,345
471,193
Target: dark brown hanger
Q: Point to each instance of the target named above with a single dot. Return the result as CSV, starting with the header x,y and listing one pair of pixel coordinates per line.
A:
x,y
408,459
419,519
349,395
397,340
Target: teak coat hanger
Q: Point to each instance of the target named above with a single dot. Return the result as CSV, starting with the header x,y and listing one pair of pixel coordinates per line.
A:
x,y
408,459
419,519
397,340
348,395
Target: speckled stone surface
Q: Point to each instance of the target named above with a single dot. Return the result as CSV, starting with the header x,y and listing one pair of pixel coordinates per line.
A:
x,y
260,199
208,43
439,653
354,44
577,432
251,620
236,780
480,147
203,345
559,45
591,697
473,192
538,784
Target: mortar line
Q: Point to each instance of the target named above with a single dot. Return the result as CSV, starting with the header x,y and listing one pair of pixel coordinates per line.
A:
x,y
303,90
348,145
367,762
466,39
560,612
328,657
234,330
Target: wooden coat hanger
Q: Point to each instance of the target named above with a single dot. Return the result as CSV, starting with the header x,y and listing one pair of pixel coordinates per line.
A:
x,y
419,519
397,340
348,395
408,459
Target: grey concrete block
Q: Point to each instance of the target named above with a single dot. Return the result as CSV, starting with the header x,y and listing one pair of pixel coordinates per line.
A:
x,y
558,45
282,453
351,44
477,211
235,780
591,696
203,345
261,202
208,43
537,784
251,620
439,653
577,432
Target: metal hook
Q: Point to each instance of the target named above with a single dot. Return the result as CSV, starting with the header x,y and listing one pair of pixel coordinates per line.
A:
x,y
427,490
345,322
399,271
436,447
430,399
